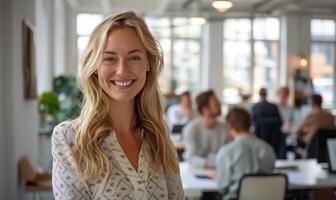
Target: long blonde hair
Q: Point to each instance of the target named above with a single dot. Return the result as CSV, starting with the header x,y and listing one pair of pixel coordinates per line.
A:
x,y
93,125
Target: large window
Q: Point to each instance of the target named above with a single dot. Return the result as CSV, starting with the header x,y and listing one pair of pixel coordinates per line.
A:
x,y
250,60
322,58
85,25
180,40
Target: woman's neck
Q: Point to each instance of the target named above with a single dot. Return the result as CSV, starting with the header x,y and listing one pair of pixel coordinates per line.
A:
x,y
123,117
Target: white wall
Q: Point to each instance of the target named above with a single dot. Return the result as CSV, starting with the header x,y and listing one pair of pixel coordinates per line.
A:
x,y
65,39
59,38
44,44
2,128
71,40
20,121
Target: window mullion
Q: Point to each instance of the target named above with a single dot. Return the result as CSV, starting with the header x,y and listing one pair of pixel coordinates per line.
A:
x,y
172,68
252,59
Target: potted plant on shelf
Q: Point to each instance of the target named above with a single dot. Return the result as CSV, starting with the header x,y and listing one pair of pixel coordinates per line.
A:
x,y
49,106
65,87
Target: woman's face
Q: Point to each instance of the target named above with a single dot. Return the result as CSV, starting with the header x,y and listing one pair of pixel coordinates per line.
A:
x,y
122,73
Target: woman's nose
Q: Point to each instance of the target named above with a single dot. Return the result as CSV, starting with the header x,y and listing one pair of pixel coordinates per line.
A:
x,y
122,67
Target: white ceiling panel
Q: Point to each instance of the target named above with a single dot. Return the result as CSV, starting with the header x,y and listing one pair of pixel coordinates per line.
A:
x,y
203,7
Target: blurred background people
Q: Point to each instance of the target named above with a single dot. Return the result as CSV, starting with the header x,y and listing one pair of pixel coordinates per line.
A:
x,y
178,115
204,135
245,154
318,118
245,102
267,123
286,111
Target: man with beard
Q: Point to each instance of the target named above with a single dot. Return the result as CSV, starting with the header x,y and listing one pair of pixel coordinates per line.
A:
x,y
205,135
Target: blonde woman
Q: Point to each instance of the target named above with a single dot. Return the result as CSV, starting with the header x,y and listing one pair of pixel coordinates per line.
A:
x,y
119,147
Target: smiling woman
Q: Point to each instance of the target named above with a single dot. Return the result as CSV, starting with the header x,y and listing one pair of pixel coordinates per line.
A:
x,y
123,71
119,147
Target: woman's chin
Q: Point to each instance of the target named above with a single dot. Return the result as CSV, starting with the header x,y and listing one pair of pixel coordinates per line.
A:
x,y
122,97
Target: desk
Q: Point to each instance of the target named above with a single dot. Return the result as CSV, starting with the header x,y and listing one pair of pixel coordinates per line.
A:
x,y
306,175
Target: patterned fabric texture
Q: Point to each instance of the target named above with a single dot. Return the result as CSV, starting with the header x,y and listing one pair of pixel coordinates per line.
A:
x,y
122,182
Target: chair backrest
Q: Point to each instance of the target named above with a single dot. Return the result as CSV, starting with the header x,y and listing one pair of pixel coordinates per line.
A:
x,y
262,187
177,129
26,169
317,147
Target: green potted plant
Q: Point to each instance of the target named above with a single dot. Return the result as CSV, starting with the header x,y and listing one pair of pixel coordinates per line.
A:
x,y
48,105
65,87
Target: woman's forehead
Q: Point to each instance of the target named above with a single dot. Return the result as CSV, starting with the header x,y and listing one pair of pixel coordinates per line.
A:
x,y
123,38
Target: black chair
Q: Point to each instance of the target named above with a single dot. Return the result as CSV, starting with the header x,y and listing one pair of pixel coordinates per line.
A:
x,y
177,129
317,148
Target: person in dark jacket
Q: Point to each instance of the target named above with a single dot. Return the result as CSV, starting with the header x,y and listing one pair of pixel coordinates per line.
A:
x,y
267,123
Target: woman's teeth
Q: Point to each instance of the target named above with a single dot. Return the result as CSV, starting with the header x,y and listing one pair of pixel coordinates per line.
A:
x,y
122,83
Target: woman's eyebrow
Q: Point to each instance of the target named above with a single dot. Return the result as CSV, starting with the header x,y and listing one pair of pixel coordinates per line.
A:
x,y
109,52
135,51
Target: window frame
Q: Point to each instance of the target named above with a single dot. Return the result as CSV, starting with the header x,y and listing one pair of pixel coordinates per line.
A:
x,y
252,90
329,42
173,38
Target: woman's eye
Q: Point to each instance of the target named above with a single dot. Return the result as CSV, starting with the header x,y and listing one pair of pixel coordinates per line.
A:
x,y
134,58
109,60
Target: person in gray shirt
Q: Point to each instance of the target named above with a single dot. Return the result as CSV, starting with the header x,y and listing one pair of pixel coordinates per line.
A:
x,y
204,135
246,154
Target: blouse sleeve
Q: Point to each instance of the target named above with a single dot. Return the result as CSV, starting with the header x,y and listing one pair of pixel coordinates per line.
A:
x,y
174,186
65,179
174,183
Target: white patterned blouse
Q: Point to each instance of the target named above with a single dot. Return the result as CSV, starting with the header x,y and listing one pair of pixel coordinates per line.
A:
x,y
123,182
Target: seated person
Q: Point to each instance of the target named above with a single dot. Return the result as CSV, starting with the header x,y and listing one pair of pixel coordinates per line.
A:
x,y
246,154
245,102
180,114
204,135
318,118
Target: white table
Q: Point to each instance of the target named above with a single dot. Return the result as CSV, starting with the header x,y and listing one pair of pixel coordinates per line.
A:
x,y
307,175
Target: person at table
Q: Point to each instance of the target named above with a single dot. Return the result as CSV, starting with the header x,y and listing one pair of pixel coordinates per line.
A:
x,y
267,123
286,111
204,135
180,114
118,148
245,154
245,102
318,118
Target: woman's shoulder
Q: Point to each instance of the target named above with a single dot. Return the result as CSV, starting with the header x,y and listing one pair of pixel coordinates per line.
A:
x,y
65,130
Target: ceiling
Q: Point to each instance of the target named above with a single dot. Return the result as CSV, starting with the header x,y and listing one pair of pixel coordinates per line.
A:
x,y
203,7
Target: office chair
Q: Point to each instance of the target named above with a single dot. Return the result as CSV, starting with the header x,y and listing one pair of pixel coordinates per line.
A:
x,y
262,187
317,148
177,129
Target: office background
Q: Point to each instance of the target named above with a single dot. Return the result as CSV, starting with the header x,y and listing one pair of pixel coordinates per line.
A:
x,y
256,43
